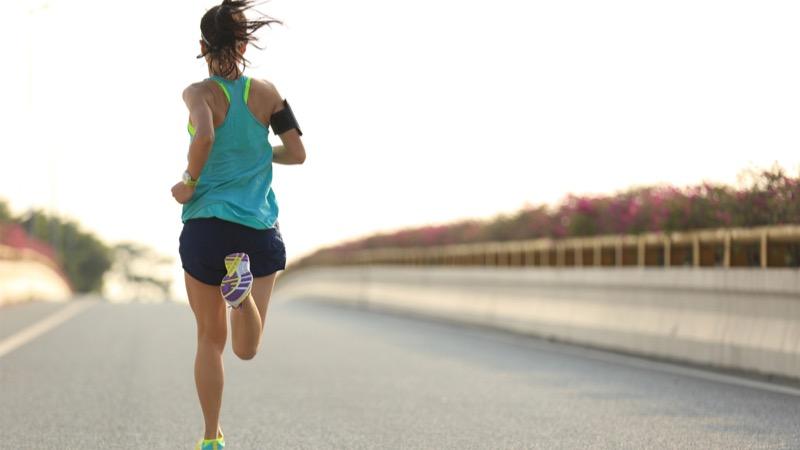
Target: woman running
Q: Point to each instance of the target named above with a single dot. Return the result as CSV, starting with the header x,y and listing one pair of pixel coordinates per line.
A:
x,y
230,246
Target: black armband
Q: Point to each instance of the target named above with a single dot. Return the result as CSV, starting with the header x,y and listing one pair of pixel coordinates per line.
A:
x,y
283,120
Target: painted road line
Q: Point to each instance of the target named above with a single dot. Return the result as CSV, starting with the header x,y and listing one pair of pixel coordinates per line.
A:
x,y
597,354
642,362
30,333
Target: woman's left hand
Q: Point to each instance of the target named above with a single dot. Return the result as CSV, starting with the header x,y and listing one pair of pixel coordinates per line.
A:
x,y
182,192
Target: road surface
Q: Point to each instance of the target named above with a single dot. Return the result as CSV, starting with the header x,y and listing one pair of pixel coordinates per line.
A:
x,y
120,376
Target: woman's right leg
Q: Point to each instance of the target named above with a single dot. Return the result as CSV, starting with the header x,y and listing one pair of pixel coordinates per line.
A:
x,y
212,330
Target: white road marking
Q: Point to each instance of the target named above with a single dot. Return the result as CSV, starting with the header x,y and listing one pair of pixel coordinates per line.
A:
x,y
31,332
642,362
704,375
607,356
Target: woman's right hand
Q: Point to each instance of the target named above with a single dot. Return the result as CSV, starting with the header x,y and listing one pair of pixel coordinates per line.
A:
x,y
182,192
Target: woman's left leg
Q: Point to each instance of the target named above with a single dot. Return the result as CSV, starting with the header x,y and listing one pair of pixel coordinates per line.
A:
x,y
247,322
209,310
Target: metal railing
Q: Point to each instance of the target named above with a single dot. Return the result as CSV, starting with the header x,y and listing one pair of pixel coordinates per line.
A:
x,y
764,247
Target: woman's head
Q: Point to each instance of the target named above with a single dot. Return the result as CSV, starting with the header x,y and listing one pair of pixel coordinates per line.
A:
x,y
225,33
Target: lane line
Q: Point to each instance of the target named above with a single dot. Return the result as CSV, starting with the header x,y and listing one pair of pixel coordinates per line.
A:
x,y
642,362
31,332
699,373
576,350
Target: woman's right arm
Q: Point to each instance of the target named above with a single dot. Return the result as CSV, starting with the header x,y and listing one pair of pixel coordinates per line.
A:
x,y
201,117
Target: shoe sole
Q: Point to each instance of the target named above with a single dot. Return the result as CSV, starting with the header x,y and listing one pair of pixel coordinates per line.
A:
x,y
236,285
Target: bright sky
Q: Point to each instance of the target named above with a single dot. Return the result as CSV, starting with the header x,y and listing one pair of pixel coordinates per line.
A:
x,y
413,112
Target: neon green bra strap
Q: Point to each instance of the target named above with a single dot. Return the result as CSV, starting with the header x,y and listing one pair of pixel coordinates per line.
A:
x,y
247,90
191,128
224,89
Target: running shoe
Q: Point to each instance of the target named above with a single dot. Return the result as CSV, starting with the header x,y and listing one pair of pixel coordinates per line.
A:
x,y
236,285
211,444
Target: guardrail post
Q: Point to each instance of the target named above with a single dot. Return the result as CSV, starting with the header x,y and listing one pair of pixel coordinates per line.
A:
x,y
515,258
640,253
560,251
598,255
726,258
667,252
695,251
618,253
764,249
578,250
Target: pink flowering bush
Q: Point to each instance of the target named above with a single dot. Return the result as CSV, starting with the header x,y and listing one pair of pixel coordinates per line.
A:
x,y
767,197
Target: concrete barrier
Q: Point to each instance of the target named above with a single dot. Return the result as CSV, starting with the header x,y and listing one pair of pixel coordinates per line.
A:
x,y
26,277
740,319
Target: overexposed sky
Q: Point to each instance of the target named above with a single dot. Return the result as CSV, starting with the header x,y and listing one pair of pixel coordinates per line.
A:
x,y
413,112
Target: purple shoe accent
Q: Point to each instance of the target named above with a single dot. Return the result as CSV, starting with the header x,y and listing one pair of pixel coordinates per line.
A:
x,y
238,282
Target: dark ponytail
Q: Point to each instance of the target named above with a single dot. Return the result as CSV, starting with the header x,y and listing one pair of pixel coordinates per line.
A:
x,y
223,27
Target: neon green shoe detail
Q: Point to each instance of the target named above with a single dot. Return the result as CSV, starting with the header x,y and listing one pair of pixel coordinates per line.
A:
x,y
232,263
211,444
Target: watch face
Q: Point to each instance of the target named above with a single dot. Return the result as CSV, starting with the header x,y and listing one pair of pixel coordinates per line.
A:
x,y
186,177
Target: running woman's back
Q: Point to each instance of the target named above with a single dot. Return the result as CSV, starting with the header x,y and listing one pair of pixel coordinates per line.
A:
x,y
236,181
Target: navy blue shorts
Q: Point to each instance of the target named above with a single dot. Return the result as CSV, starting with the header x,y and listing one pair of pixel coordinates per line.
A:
x,y
204,243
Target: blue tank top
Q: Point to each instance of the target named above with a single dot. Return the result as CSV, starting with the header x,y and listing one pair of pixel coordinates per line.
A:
x,y
236,182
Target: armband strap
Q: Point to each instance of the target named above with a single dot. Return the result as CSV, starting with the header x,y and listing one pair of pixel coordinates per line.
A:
x,y
283,120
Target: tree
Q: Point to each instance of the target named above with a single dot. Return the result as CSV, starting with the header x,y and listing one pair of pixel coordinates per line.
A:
x,y
5,213
139,273
83,256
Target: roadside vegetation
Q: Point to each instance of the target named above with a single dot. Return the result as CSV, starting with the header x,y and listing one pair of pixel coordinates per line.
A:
x,y
763,197
84,259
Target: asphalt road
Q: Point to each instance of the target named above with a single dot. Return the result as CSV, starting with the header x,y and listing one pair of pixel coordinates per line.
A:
x,y
120,376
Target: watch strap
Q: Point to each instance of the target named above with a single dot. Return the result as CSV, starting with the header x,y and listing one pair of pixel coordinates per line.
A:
x,y
188,180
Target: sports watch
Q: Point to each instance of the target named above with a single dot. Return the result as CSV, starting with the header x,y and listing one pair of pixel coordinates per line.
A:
x,y
188,180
